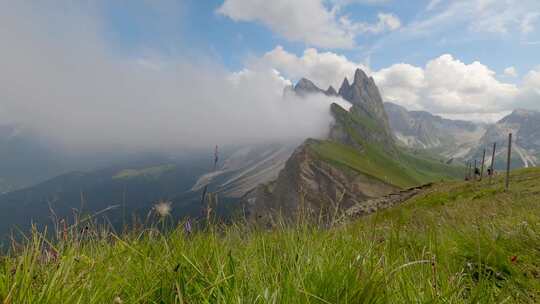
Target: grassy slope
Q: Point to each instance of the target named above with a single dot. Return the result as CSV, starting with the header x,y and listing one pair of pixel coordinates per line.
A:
x,y
405,170
459,243
398,167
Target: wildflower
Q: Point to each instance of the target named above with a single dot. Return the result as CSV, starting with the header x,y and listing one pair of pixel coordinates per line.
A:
x,y
163,208
118,300
187,227
513,258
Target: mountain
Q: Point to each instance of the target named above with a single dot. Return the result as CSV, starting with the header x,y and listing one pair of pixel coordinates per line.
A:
x,y
366,100
25,159
357,161
423,130
464,140
525,127
133,187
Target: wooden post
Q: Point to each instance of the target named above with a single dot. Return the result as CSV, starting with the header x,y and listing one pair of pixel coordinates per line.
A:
x,y
474,171
493,162
508,161
482,169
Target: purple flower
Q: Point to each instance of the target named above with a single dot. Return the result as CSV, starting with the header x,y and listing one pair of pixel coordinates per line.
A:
x,y
187,227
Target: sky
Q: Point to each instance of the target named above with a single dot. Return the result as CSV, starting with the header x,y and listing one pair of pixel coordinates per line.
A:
x,y
190,68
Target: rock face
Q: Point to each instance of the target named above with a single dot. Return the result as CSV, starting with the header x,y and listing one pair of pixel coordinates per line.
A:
x,y
525,127
246,168
423,130
365,97
314,185
464,140
305,87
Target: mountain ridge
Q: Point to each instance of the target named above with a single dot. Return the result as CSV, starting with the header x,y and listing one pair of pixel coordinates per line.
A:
x,y
358,160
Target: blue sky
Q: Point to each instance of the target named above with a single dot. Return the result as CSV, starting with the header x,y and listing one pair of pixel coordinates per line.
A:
x,y
466,59
195,26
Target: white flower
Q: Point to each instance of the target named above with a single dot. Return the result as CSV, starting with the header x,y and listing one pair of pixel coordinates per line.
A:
x,y
163,208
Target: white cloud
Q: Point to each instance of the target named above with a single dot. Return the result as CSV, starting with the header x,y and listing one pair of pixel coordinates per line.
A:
x,y
445,85
386,22
510,72
300,20
323,68
75,91
479,16
529,22
433,4
309,21
448,86
400,84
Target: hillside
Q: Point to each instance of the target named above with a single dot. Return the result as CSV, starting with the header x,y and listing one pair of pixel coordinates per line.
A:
x,y
456,243
133,187
25,159
359,160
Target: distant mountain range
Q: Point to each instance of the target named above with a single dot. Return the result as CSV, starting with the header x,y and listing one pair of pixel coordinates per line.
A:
x,y
25,160
371,150
464,141
133,187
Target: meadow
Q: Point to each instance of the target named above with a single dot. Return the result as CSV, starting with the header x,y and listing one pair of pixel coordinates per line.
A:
x,y
459,242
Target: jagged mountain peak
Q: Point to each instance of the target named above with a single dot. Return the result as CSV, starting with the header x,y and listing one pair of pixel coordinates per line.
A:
x,y
306,84
360,77
345,86
331,91
365,97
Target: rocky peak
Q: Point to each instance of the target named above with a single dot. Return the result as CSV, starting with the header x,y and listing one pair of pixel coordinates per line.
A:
x,y
331,91
306,86
361,77
345,89
365,97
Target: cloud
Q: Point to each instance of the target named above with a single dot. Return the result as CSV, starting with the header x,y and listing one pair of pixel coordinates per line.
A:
x,y
386,22
74,90
510,72
445,85
308,21
449,87
323,68
529,22
479,16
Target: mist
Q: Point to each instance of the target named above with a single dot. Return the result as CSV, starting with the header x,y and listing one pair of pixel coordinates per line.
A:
x,y
61,79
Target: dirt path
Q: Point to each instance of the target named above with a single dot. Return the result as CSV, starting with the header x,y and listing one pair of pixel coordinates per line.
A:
x,y
387,201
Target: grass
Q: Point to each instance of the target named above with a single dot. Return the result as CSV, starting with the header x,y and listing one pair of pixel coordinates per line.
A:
x,y
404,170
150,172
379,158
458,243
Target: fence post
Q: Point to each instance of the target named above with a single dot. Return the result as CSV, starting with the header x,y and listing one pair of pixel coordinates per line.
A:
x,y
508,161
474,171
493,162
482,169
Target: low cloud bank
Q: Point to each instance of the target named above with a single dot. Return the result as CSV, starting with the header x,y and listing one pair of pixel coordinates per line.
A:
x,y
60,78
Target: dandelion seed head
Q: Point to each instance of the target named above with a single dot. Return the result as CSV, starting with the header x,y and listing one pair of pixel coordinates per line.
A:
x,y
163,208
